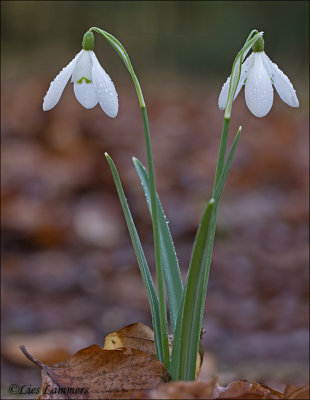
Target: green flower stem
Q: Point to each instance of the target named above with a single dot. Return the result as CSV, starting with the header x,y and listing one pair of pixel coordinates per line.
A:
x,y
156,234
234,80
186,340
159,268
119,48
236,69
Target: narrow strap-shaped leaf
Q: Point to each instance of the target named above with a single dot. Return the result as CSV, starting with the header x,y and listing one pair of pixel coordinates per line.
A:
x,y
223,177
222,152
170,264
185,345
176,346
144,269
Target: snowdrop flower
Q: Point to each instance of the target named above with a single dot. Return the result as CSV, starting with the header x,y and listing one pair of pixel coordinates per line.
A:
x,y
258,74
91,83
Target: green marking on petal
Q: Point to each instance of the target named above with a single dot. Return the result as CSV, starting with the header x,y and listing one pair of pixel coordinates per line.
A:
x,y
86,80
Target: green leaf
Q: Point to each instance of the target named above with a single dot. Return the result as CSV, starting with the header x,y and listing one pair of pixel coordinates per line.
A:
x,y
223,177
144,269
170,264
188,328
222,152
176,345
185,344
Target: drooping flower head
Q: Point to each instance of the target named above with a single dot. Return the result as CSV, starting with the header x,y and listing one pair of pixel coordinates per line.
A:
x,y
258,74
91,84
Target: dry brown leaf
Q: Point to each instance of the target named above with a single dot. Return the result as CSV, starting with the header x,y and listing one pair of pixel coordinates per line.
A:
x,y
48,347
127,368
211,390
209,367
296,392
95,373
125,372
138,336
246,390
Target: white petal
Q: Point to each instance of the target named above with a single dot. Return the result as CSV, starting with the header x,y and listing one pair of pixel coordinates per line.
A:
x,y
86,94
105,89
83,68
225,89
244,73
281,82
57,86
224,95
258,88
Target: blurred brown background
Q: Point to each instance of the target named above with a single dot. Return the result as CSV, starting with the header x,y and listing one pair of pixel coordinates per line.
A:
x,y
69,274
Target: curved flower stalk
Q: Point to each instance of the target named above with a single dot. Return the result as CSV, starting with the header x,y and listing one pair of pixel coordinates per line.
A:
x,y
163,273
258,74
91,84
189,323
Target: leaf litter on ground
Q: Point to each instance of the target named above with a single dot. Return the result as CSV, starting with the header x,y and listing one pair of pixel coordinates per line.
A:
x,y
127,367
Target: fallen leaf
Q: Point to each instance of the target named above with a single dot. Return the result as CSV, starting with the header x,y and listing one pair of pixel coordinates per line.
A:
x,y
49,347
246,390
137,336
141,337
296,392
126,372
212,390
209,367
95,373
